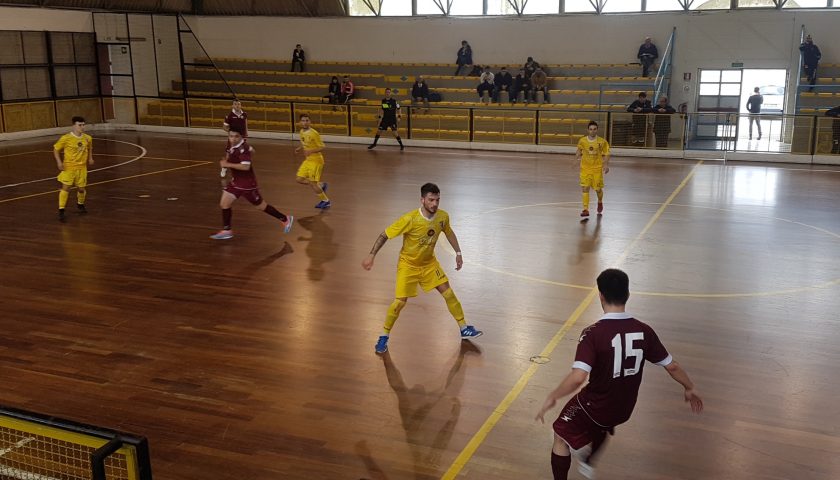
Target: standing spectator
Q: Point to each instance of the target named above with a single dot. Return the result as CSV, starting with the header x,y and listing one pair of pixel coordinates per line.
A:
x,y
835,128
754,107
539,83
530,67
487,75
334,92
810,59
662,121
647,54
464,57
298,57
420,92
641,105
521,84
503,82
486,86
347,90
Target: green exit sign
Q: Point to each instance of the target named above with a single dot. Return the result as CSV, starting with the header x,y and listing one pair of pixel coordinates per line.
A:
x,y
737,64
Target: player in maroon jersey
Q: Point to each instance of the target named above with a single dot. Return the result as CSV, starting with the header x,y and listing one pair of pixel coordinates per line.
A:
x,y
236,119
611,353
243,184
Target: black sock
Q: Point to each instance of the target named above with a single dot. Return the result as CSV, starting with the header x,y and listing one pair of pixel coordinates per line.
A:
x,y
560,466
399,140
274,213
226,217
599,438
376,139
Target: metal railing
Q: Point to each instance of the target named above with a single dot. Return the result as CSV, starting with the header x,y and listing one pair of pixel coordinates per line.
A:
x,y
663,74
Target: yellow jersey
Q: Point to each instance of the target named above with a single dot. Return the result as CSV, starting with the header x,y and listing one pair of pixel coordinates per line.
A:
x,y
311,139
420,236
592,153
76,150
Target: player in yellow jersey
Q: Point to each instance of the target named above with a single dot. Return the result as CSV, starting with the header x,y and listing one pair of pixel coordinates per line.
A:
x,y
417,265
310,170
593,153
77,150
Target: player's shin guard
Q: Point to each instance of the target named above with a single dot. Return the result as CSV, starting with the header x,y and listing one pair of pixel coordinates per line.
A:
x,y
399,140
81,195
560,466
393,313
586,200
454,307
63,195
274,213
227,216
376,139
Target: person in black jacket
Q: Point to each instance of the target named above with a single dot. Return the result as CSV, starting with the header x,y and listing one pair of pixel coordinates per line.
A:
x,y
641,105
334,92
298,57
810,59
389,116
503,82
662,121
647,55
835,129
464,57
521,84
754,107
420,92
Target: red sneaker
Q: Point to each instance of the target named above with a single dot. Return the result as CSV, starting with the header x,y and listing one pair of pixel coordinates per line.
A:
x,y
600,207
584,213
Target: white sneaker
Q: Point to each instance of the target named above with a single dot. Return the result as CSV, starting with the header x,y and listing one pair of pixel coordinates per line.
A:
x,y
586,470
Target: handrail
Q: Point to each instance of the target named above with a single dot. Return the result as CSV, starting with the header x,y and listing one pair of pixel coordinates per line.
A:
x,y
603,87
664,67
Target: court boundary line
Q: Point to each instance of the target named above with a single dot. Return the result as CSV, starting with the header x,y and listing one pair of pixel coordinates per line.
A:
x,y
478,438
143,152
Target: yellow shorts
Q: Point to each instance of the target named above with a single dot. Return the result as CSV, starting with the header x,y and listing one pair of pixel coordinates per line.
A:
x,y
592,179
409,276
76,177
311,169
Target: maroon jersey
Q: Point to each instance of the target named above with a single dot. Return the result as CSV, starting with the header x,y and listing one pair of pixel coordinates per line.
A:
x,y
613,351
242,179
237,122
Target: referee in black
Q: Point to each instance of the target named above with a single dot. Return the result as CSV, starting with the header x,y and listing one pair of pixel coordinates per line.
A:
x,y
388,119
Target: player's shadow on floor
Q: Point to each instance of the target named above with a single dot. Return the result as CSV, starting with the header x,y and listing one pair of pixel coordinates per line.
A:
x,y
253,267
587,242
428,417
321,248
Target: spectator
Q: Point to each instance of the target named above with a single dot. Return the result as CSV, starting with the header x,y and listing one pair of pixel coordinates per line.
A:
x,y
487,75
835,129
810,59
754,107
464,57
503,82
521,84
347,90
334,92
641,105
486,86
298,57
530,67
539,83
420,92
647,54
662,121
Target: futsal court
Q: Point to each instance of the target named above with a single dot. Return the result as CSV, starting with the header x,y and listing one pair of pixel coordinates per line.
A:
x,y
253,357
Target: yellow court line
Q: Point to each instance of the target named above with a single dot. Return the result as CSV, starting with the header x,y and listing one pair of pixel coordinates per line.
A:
x,y
479,437
107,181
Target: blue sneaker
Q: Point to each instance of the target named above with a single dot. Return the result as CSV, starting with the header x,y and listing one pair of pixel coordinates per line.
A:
x,y
470,332
382,344
222,235
287,225
323,204
324,186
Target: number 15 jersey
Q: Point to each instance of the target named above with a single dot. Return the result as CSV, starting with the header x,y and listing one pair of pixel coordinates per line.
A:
x,y
613,351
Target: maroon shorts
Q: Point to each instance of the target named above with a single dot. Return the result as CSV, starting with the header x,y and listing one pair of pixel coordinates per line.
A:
x,y
575,427
252,196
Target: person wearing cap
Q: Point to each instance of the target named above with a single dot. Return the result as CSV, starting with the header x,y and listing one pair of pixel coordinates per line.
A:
x,y
647,55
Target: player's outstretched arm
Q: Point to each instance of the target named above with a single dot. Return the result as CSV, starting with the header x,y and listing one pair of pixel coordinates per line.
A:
x,y
453,240
680,376
367,263
570,384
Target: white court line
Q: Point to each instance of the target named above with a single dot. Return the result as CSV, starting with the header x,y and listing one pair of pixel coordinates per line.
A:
x,y
23,474
17,445
143,152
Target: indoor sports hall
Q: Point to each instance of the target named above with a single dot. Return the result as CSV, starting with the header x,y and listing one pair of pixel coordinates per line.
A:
x,y
134,346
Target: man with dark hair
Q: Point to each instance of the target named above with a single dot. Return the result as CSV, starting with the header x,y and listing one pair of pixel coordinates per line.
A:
x,y
539,83
754,107
420,230
640,105
388,117
521,84
530,66
647,55
73,152
236,119
298,57
662,121
593,155
420,92
503,82
310,170
464,57
244,184
611,353
810,60
835,128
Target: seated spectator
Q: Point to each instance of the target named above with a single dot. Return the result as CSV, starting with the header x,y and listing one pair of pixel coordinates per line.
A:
x,y
420,92
503,82
662,121
487,75
334,92
835,129
464,57
641,105
298,57
539,83
647,55
530,67
486,86
348,90
476,71
521,84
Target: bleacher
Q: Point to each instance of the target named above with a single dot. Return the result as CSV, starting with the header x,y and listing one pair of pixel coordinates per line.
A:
x,y
818,101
